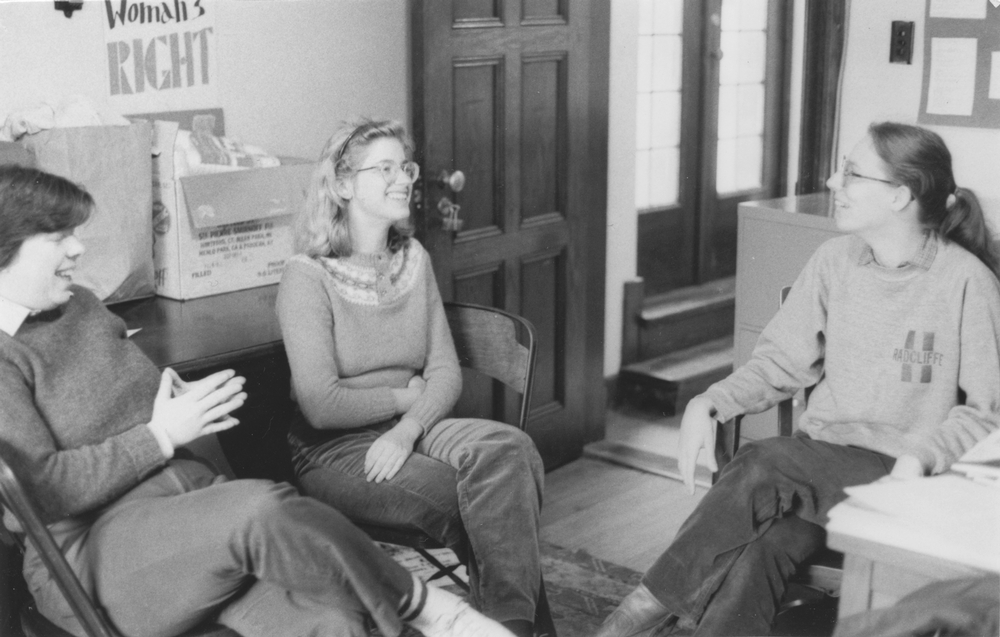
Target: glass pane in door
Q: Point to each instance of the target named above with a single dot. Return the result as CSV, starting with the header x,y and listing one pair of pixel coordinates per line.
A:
x,y
740,144
658,103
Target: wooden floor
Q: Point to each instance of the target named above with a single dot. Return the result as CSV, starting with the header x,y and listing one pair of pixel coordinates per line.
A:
x,y
617,514
628,517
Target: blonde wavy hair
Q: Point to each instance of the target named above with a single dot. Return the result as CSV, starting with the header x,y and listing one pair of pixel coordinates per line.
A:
x,y
322,229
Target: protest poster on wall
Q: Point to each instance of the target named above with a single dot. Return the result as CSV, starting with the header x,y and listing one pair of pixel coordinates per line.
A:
x,y
161,55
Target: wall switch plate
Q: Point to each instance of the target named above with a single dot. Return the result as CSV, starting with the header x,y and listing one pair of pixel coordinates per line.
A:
x,y
901,42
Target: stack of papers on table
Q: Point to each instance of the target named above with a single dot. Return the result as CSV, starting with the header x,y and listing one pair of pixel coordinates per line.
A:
x,y
982,462
947,516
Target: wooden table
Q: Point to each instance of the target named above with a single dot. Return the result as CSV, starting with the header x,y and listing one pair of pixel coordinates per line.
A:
x,y
205,333
877,575
899,536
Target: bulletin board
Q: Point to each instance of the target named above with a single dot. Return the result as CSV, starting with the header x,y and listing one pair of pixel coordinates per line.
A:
x,y
961,85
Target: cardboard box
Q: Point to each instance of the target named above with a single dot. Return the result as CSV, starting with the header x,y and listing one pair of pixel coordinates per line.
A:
x,y
221,232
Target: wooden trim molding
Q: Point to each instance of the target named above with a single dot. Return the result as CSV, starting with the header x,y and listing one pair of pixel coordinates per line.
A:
x,y
825,24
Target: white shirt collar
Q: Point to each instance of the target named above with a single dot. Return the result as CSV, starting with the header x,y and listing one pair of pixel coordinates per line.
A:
x,y
12,315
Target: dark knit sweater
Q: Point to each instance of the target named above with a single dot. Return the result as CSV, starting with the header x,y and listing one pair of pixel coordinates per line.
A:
x,y
75,395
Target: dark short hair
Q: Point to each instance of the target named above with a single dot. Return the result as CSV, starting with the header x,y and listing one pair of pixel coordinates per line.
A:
x,y
36,202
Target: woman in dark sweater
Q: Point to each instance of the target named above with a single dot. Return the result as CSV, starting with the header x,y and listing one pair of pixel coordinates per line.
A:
x,y
161,542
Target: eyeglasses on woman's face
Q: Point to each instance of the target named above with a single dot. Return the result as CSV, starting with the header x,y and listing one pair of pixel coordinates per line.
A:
x,y
849,174
390,170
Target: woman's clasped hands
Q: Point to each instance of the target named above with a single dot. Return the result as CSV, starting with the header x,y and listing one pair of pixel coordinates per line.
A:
x,y
183,411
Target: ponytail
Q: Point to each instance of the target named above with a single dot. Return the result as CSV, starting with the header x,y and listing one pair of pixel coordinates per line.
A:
x,y
965,224
919,159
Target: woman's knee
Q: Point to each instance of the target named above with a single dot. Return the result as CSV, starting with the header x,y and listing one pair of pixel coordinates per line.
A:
x,y
758,461
253,501
512,450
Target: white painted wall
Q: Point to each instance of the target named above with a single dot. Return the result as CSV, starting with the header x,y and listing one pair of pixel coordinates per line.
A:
x,y
875,90
288,70
622,238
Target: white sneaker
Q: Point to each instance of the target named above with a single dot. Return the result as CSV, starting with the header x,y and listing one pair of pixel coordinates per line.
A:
x,y
447,615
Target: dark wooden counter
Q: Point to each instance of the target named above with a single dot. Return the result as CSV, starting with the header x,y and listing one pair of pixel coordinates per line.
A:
x,y
205,333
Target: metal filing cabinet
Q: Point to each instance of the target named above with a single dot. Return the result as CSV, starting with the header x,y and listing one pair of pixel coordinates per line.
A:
x,y
776,238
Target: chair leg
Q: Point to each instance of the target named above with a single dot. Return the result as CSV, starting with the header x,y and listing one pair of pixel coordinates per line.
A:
x,y
443,570
544,626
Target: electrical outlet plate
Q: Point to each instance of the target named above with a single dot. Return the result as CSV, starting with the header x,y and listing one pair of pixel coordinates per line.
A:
x,y
901,42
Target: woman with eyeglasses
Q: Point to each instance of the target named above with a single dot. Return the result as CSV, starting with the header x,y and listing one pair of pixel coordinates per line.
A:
x,y
375,373
896,326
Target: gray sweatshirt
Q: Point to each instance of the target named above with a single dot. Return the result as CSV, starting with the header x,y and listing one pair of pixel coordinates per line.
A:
x,y
904,360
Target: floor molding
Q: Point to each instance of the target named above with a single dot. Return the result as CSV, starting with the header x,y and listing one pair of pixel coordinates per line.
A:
x,y
643,461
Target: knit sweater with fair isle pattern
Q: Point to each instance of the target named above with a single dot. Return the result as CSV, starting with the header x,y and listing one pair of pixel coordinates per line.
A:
x,y
905,360
357,327
75,396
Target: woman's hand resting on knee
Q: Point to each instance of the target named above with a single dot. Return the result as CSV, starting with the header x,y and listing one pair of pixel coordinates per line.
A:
x,y
183,411
697,433
390,450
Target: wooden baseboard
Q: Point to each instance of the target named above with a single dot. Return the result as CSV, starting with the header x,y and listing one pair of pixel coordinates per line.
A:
x,y
643,461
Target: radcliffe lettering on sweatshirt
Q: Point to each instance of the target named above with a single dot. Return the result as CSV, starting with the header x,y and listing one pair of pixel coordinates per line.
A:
x,y
925,357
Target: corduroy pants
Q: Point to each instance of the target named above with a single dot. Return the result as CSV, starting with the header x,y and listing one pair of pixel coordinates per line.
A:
x,y
474,485
729,564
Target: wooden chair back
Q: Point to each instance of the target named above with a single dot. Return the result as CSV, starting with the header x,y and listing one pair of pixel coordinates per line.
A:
x,y
498,344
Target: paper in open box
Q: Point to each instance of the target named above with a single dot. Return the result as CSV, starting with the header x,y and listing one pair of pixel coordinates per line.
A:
x,y
226,231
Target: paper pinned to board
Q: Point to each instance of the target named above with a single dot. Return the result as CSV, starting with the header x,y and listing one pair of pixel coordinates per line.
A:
x,y
995,75
952,85
964,9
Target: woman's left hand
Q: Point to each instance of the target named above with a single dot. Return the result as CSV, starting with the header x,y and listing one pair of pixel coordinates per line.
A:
x,y
390,450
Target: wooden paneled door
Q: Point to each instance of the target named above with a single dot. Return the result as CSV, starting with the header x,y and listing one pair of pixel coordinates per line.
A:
x,y
513,94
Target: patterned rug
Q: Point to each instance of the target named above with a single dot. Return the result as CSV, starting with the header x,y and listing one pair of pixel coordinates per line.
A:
x,y
582,590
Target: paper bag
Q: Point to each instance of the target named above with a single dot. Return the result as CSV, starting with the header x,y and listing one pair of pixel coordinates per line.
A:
x,y
114,164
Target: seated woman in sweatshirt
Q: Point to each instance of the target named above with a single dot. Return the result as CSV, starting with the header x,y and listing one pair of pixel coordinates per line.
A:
x,y
375,373
161,542
897,325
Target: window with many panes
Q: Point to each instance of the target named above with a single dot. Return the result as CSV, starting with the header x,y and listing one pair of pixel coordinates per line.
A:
x,y
658,103
743,42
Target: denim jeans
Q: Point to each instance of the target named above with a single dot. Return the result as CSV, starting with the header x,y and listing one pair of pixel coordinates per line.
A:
x,y
729,563
474,485
184,547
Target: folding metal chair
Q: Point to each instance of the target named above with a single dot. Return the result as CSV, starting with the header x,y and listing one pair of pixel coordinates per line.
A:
x,y
92,618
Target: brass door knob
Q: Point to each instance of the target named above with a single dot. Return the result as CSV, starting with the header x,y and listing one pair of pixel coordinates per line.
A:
x,y
454,181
